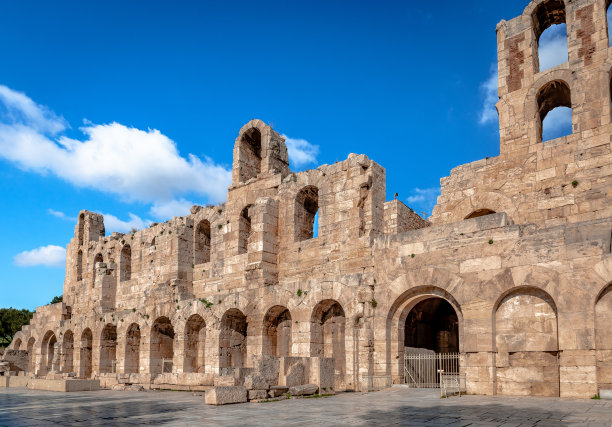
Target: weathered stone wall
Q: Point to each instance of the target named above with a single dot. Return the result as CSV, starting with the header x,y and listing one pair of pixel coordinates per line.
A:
x,y
519,246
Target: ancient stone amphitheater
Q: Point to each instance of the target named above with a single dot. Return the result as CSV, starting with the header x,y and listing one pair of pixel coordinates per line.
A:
x,y
511,275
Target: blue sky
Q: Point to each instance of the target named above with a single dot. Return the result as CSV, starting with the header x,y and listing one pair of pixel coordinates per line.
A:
x,y
131,109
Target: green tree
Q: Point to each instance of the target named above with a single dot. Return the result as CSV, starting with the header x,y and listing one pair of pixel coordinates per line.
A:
x,y
11,321
57,299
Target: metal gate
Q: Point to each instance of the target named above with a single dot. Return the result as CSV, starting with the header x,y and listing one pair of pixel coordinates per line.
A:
x,y
422,370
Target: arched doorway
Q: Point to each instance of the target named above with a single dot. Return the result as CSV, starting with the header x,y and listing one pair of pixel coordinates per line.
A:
x,y
277,332
162,346
86,353
195,339
132,350
108,349
433,325
31,359
233,339
66,364
47,353
603,338
327,331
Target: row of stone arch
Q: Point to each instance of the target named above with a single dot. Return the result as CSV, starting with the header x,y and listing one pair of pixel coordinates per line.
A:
x,y
57,354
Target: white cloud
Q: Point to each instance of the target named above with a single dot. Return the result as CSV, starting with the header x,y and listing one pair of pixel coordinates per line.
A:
x,y
61,215
137,165
423,200
163,211
112,223
488,114
552,48
557,123
301,152
49,256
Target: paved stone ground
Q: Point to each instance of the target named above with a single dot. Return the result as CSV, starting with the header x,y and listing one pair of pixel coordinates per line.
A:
x,y
395,406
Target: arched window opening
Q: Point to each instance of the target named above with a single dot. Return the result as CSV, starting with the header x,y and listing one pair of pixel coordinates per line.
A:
x,y
202,243
244,231
195,339
306,209
97,259
126,263
551,34
108,349
31,359
17,344
277,332
233,339
480,212
86,351
609,21
432,325
162,346
554,103
328,324
79,266
81,229
132,350
66,363
250,154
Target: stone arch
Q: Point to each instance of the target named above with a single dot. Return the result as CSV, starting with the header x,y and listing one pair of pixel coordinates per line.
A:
x,y
525,334
233,339
328,336
277,332
194,341
47,353
125,261
31,358
603,337
489,202
401,308
16,343
201,244
86,354
67,355
161,346
108,349
553,89
544,15
132,349
305,211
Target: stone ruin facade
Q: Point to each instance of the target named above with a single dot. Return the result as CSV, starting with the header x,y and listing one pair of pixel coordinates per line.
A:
x,y
513,270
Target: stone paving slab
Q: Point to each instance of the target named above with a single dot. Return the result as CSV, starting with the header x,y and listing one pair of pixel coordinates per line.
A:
x,y
395,406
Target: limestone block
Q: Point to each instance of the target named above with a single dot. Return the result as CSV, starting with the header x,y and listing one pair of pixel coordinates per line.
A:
x,y
605,394
258,394
303,390
256,382
296,375
279,390
226,395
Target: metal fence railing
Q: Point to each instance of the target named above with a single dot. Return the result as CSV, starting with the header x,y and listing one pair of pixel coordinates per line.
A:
x,y
423,370
451,384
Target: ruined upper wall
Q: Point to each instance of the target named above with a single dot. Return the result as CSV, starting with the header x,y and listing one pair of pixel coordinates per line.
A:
x,y
553,182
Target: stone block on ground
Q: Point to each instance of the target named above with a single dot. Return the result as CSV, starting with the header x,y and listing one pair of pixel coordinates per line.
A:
x,y
276,391
128,387
296,375
256,382
258,394
303,390
605,394
226,395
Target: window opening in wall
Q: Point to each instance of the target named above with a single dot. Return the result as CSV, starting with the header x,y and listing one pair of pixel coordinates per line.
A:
x,y
554,103
79,266
250,154
126,263
306,210
202,243
609,20
479,213
551,34
244,231
97,259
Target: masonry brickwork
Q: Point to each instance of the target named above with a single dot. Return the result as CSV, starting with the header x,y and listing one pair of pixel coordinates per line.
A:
x,y
513,270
